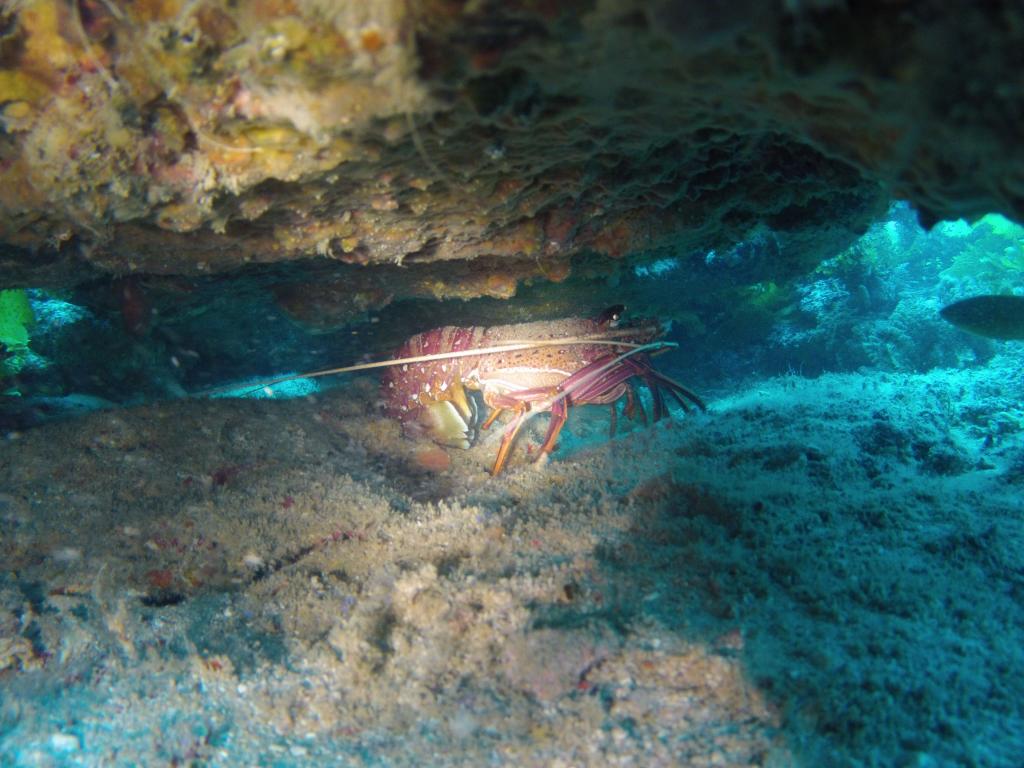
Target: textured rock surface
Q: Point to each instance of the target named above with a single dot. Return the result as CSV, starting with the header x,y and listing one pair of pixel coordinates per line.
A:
x,y
800,578
185,137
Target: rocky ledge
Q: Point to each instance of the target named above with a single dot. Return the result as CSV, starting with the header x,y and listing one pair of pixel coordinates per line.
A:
x,y
495,141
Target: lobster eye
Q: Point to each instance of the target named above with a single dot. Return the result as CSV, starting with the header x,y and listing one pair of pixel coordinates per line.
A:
x,y
612,315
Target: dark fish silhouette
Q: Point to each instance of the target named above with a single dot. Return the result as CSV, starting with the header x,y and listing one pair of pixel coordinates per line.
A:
x,y
997,317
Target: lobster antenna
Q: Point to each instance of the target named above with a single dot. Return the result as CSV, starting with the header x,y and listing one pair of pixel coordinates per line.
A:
x,y
512,346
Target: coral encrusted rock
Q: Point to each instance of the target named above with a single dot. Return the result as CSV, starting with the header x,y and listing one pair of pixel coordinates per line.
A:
x,y
191,136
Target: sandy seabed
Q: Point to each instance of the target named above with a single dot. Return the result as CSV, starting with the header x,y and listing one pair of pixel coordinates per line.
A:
x,y
815,573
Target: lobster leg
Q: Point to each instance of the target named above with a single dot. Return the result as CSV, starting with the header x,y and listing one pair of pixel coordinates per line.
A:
x,y
559,414
519,402
603,381
675,395
678,391
635,406
495,413
656,398
522,410
656,381
632,409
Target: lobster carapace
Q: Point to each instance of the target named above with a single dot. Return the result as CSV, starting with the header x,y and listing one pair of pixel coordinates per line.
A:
x,y
524,368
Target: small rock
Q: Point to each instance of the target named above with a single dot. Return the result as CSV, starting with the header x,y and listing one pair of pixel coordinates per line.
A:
x,y
67,555
433,459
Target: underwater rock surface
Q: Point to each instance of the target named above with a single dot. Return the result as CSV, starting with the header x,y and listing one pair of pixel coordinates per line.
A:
x,y
800,577
200,567
189,138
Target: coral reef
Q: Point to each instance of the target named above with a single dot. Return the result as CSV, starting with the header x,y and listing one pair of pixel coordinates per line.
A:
x,y
191,137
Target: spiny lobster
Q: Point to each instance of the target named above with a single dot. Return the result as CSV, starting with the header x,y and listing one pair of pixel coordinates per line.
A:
x,y
524,368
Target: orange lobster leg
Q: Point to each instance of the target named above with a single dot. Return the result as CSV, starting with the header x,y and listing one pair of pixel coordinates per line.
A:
x,y
522,409
634,407
559,414
495,413
519,402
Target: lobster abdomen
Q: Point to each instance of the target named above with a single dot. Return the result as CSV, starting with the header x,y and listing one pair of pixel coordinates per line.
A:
x,y
410,386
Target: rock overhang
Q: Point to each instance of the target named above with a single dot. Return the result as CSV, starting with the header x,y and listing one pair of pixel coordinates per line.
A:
x,y
459,149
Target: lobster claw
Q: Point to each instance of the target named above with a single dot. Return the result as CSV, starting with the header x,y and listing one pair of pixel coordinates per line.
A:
x,y
458,397
450,420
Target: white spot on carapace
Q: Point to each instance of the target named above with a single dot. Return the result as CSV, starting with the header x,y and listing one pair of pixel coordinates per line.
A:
x,y
405,367
426,387
391,385
443,386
